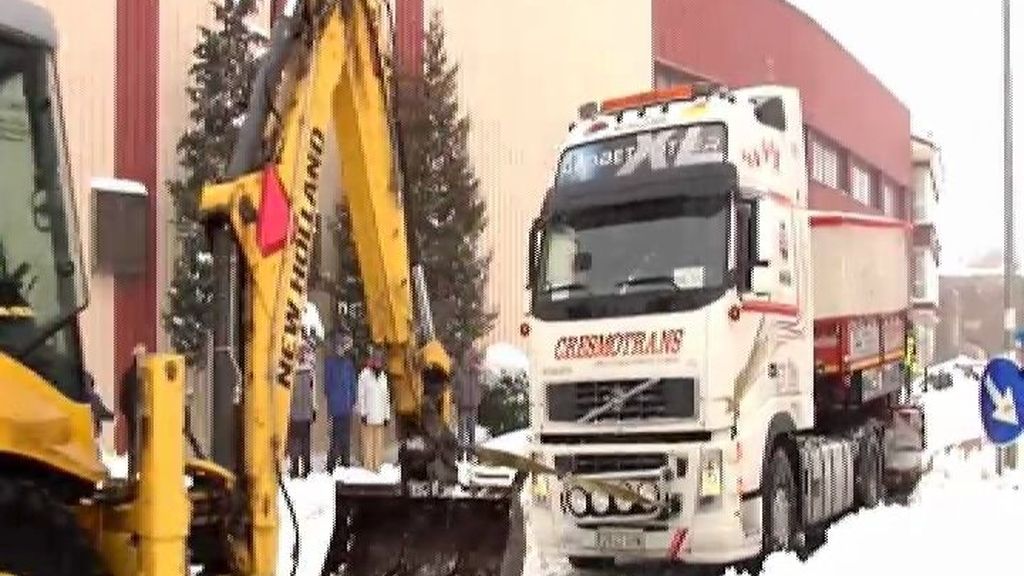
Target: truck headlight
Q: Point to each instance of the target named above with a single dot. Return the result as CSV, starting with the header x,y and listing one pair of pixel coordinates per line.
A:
x,y
577,501
540,488
600,502
710,474
623,505
649,490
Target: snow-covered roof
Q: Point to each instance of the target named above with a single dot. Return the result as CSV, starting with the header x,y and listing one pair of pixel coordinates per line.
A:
x,y
118,185
502,356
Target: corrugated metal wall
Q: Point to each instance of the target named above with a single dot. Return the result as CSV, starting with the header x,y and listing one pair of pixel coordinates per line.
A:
x,y
135,158
524,69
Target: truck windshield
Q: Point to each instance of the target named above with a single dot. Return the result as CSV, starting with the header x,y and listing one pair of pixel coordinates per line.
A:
x,y
41,278
674,246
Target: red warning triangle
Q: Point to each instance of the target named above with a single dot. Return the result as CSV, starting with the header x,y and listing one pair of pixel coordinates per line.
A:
x,y
274,219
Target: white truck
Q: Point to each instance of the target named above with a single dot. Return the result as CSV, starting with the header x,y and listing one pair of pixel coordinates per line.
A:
x,y
696,333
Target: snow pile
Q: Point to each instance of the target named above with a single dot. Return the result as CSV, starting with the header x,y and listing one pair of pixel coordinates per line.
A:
x,y
313,499
951,414
311,321
504,357
959,521
516,442
117,466
388,474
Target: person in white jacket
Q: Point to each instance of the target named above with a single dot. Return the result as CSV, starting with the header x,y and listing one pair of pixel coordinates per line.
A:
x,y
373,404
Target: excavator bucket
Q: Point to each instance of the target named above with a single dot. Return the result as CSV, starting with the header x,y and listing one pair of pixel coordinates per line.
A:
x,y
379,531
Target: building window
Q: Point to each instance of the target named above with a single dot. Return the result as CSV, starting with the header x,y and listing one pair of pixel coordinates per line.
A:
x,y
923,194
860,184
888,199
824,163
924,276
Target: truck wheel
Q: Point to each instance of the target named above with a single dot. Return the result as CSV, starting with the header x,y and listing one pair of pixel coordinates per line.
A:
x,y
40,537
779,504
591,563
515,546
869,475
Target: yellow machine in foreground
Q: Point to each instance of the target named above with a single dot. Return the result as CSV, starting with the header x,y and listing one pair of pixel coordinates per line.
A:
x,y
60,512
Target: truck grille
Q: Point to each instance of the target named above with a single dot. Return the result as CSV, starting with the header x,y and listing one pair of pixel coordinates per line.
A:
x,y
601,463
667,398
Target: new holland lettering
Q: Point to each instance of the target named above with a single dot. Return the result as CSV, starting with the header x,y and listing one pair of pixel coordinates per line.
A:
x,y
298,283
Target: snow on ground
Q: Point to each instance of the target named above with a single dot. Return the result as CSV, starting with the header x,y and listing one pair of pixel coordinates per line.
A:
x,y
313,499
515,442
951,414
961,518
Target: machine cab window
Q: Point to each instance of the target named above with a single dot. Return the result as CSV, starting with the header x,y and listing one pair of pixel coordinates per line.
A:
x,y
42,285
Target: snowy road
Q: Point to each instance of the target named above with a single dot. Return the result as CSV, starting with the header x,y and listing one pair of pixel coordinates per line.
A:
x,y
962,518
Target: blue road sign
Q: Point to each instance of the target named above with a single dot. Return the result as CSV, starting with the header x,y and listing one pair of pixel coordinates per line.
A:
x,y
1002,400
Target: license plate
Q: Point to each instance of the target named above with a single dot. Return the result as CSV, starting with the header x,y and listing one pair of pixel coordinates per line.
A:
x,y
620,540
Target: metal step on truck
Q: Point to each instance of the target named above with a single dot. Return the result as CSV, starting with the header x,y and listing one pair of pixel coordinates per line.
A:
x,y
697,333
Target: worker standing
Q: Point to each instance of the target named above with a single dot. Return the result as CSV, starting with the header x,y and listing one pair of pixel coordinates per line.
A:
x,y
374,408
340,390
303,411
467,388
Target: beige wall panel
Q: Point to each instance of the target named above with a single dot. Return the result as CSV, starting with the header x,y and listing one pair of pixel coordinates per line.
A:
x,y
525,67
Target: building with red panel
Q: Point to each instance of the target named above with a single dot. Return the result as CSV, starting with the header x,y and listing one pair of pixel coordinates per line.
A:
x,y
520,90
858,133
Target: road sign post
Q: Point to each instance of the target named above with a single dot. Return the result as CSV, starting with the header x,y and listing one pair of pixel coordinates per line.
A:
x,y
1001,400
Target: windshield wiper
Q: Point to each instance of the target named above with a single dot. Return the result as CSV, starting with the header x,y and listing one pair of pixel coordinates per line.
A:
x,y
662,279
45,333
569,286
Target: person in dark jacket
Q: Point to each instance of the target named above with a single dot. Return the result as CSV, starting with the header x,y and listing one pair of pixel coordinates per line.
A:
x,y
303,410
467,387
340,390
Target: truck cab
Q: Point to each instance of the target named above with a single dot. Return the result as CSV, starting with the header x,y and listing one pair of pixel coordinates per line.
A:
x,y
671,329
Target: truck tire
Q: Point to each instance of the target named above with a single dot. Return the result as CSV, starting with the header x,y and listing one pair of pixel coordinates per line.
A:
x,y
591,563
40,537
779,504
869,474
515,546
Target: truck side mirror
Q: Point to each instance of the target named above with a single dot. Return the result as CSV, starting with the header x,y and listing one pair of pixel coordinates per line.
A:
x,y
534,253
744,245
771,113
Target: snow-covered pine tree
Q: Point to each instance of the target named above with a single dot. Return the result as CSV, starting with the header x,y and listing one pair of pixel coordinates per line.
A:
x,y
224,63
450,214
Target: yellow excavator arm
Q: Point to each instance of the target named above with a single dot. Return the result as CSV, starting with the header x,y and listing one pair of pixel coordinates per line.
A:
x,y
324,72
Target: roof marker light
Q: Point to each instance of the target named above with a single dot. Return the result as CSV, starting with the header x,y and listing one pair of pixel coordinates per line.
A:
x,y
681,92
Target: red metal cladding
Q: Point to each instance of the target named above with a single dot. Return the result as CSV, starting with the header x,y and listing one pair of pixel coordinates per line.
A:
x,y
857,220
771,308
409,28
743,42
135,158
274,220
